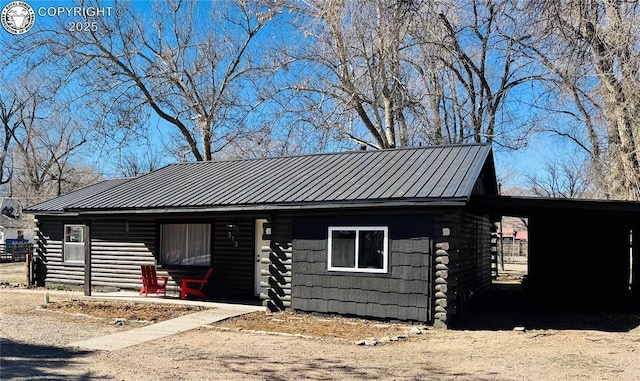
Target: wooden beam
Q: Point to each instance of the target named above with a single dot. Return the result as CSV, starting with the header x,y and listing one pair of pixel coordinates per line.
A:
x,y
87,259
635,275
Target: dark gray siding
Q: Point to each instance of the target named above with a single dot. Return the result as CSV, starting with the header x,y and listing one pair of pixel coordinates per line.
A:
x,y
118,248
464,268
404,293
49,251
473,262
276,280
233,265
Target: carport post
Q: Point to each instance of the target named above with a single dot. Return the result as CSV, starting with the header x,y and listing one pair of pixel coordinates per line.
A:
x,y
635,262
87,259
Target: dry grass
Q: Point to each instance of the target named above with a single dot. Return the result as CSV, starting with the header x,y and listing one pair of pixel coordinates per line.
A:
x,y
283,322
315,326
132,311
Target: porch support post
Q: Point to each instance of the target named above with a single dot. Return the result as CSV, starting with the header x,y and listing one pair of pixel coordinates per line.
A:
x,y
87,259
635,272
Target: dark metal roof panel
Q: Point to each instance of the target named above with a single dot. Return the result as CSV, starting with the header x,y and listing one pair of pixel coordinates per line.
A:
x,y
392,166
473,171
454,185
58,204
316,187
441,183
353,178
405,176
429,173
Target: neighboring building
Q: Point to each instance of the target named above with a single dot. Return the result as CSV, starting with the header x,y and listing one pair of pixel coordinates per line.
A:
x,y
366,233
513,243
16,231
13,224
392,234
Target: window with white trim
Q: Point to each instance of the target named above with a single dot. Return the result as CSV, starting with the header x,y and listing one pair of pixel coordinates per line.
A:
x,y
73,250
358,249
185,244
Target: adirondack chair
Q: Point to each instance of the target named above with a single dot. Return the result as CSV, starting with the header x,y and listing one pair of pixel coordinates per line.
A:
x,y
194,286
151,282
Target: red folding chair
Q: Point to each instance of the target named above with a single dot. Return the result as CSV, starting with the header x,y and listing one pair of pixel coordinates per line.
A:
x,y
151,282
194,286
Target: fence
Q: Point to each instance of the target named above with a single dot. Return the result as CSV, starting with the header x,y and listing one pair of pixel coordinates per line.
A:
x,y
16,252
513,251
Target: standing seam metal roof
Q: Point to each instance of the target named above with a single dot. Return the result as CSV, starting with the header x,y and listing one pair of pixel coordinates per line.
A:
x,y
59,204
409,174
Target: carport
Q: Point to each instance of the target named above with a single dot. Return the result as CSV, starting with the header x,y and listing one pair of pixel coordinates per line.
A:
x,y
582,253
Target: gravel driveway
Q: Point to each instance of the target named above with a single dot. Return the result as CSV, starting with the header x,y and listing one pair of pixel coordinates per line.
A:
x,y
33,348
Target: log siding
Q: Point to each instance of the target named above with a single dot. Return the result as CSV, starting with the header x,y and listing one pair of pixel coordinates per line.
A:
x,y
276,279
120,246
463,263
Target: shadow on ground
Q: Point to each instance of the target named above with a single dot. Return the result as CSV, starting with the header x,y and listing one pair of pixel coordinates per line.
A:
x,y
23,361
505,307
322,368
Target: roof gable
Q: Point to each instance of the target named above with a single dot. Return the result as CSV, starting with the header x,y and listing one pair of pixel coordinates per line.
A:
x,y
426,174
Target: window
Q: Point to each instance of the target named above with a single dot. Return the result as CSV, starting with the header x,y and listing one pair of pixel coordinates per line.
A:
x,y
185,244
358,249
73,250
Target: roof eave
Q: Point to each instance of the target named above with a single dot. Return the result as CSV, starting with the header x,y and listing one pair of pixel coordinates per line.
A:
x,y
453,202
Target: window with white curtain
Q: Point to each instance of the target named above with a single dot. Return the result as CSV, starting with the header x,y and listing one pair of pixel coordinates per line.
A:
x,y
185,244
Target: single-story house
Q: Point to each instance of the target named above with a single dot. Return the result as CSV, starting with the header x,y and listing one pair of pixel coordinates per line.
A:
x,y
384,234
399,234
14,225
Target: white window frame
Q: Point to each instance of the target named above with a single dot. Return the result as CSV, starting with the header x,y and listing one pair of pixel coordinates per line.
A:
x,y
357,229
66,244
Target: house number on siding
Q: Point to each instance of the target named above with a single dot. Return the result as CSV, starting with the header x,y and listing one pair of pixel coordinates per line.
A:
x,y
232,238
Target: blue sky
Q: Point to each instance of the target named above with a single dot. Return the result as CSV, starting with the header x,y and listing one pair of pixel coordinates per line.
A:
x,y
512,166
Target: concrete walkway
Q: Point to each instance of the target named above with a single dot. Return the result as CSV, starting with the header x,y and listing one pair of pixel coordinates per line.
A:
x,y
218,311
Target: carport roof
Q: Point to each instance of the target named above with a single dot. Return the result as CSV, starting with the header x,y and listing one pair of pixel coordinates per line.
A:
x,y
435,174
529,206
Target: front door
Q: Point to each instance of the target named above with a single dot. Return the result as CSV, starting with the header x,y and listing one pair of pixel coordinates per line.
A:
x,y
258,255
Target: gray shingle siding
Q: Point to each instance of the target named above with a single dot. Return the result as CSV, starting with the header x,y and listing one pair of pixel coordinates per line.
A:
x,y
402,293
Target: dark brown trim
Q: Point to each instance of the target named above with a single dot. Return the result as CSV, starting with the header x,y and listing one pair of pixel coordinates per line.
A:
x,y
87,258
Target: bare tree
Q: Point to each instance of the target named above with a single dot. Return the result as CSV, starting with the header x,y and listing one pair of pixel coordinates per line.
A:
x,y
469,54
561,179
196,71
351,64
592,49
14,114
390,73
43,160
140,161
40,137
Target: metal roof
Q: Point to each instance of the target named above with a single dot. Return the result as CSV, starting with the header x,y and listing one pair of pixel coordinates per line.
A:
x,y
424,174
59,204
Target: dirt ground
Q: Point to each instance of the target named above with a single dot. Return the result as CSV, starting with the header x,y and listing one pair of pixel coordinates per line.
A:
x,y
34,346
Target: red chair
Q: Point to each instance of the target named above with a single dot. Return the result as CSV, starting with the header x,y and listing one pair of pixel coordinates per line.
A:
x,y
151,282
194,286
